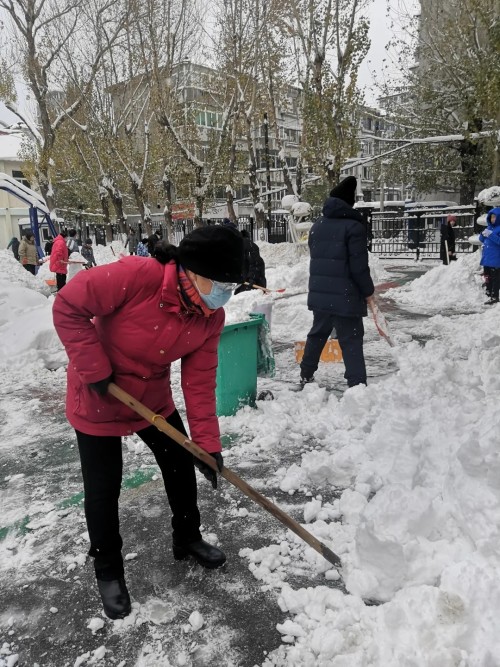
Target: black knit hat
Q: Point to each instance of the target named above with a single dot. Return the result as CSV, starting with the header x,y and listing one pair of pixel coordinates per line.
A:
x,y
213,252
346,190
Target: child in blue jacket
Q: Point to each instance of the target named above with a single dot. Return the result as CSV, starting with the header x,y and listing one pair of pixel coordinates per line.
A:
x,y
490,238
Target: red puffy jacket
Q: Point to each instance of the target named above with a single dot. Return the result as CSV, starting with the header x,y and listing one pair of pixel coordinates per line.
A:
x,y
139,328
59,255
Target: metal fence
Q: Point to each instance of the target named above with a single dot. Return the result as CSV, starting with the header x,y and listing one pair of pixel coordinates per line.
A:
x,y
414,233
274,231
397,234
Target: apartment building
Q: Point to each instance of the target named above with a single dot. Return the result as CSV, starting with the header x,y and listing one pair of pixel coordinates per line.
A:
x,y
198,89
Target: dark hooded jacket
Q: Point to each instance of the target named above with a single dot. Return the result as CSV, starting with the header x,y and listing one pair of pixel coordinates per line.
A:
x,y
447,239
339,275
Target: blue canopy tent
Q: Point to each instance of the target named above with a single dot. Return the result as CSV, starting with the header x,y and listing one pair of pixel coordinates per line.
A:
x,y
37,207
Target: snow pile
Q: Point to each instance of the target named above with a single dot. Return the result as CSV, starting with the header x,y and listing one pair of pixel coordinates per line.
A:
x,y
377,270
109,253
13,272
489,196
240,306
401,479
457,285
280,255
78,264
418,458
26,327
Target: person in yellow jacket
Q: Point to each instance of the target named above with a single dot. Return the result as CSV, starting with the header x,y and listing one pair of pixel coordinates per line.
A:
x,y
27,252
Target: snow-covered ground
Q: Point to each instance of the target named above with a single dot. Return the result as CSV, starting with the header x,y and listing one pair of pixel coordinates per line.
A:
x,y
401,479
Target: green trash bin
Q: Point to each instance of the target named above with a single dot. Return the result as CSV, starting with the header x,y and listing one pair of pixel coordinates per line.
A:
x,y
237,369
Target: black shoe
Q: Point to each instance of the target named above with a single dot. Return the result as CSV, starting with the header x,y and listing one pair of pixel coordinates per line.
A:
x,y
491,302
115,598
305,380
205,554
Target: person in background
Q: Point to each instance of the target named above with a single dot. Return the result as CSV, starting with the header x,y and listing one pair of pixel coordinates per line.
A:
x,y
59,259
48,245
14,244
340,284
71,242
142,248
127,322
226,222
447,247
131,241
152,241
27,252
490,258
88,253
254,268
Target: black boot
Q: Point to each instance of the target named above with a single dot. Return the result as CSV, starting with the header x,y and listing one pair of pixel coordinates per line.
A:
x,y
115,598
203,553
305,380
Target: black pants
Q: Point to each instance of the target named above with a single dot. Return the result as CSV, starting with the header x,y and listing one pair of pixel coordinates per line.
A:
x,y
494,283
101,460
60,280
30,268
350,333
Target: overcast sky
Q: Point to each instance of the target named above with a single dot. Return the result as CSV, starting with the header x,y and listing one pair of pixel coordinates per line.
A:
x,y
381,31
386,20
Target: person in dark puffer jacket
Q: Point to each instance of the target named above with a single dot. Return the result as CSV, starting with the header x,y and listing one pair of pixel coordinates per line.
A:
x,y
340,284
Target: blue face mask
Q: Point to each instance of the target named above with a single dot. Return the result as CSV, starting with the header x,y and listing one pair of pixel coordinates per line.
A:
x,y
219,294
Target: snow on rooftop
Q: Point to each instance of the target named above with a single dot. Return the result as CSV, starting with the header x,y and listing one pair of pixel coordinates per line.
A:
x,y
10,145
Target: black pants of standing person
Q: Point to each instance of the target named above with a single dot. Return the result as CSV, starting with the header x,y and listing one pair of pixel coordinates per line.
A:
x,y
60,280
30,267
494,283
349,332
101,460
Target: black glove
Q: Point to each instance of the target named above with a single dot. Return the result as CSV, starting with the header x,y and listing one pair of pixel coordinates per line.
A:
x,y
101,387
207,471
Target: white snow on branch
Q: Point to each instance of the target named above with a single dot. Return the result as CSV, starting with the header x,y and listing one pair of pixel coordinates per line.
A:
x,y
190,157
489,196
12,106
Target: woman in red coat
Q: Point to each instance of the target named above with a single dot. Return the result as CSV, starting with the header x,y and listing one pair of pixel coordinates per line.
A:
x,y
127,322
59,259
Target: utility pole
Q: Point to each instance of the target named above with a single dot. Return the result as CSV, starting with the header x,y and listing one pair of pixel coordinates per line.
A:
x,y
268,166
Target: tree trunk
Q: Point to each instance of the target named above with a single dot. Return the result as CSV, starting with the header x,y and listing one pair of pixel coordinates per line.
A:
x,y
167,211
298,177
198,209
108,183
45,186
231,214
104,197
254,182
268,166
142,207
469,160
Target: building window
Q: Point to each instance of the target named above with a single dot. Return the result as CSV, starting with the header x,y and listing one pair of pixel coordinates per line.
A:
x,y
19,176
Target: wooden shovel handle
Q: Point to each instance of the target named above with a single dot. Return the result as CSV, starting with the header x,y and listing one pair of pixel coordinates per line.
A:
x,y
162,425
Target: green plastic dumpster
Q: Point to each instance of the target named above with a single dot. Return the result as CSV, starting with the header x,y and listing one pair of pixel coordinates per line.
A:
x,y
237,369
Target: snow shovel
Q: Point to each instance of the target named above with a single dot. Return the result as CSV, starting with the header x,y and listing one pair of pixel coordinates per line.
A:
x,y
331,353
380,322
162,425
265,289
